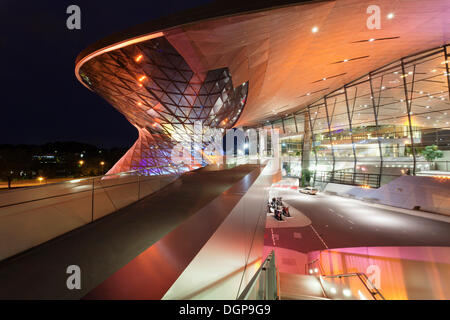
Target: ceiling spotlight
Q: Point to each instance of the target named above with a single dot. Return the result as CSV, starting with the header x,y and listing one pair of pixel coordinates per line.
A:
x,y
390,15
345,60
138,58
314,29
371,40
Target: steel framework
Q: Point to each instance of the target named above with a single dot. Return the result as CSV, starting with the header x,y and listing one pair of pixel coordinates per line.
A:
x,y
151,84
379,123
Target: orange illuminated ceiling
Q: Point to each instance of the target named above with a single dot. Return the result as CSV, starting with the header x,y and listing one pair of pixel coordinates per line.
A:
x,y
289,66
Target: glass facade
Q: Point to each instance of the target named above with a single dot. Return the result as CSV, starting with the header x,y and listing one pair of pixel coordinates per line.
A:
x,y
152,85
390,122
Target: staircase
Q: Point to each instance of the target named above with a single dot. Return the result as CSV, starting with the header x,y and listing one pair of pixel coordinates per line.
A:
x,y
300,287
269,284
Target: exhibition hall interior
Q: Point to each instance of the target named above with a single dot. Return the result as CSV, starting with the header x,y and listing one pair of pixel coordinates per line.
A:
x,y
283,150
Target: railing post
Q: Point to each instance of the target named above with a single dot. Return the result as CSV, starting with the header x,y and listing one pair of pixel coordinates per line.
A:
x,y
139,187
92,200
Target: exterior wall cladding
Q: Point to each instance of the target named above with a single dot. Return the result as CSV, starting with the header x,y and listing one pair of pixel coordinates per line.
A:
x,y
154,88
367,132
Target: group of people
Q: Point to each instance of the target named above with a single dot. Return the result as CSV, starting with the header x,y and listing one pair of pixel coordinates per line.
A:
x,y
279,210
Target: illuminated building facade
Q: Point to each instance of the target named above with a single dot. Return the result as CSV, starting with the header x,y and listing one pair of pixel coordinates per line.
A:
x,y
375,128
154,88
355,104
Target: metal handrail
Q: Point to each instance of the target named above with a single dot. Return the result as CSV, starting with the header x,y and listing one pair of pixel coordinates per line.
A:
x,y
87,179
363,278
349,178
311,263
373,290
268,266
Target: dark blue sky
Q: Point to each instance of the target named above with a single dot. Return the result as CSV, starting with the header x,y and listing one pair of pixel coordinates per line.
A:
x,y
41,100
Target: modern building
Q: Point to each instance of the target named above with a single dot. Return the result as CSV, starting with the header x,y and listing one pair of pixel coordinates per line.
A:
x,y
354,90
350,96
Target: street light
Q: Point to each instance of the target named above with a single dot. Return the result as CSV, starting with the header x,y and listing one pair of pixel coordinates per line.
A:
x,y
81,162
40,179
102,163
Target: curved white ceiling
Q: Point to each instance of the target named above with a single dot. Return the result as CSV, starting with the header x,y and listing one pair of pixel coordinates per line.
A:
x,y
288,66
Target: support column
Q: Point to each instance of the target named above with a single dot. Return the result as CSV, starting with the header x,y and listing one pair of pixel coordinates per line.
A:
x,y
375,113
330,138
351,130
309,136
295,121
408,111
447,69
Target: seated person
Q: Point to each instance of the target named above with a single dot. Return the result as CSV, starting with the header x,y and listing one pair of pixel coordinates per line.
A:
x,y
278,215
286,211
273,202
279,201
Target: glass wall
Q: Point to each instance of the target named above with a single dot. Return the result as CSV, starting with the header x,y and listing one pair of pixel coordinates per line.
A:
x,y
393,121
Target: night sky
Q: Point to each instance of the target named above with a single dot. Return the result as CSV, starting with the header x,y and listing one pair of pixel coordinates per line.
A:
x,y
41,99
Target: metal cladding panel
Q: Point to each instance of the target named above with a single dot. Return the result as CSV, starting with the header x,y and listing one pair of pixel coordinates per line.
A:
x,y
233,254
151,84
226,219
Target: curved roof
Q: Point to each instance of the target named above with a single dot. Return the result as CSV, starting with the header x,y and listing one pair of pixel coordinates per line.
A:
x,y
271,44
200,13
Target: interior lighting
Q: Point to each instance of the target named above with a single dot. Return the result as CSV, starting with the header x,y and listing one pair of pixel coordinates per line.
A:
x,y
347,292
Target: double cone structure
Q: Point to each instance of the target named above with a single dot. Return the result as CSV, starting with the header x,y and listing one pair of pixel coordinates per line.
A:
x,y
155,89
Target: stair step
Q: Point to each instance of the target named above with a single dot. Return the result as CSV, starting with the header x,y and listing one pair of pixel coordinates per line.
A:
x,y
300,287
